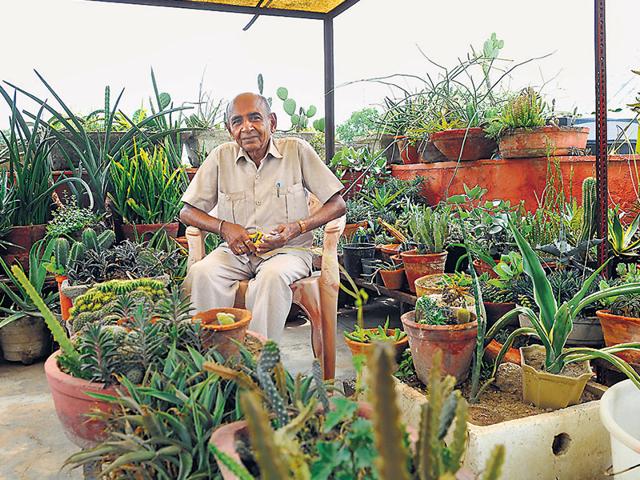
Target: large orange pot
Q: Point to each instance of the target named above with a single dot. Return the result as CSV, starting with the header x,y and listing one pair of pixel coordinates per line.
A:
x,y
543,141
224,337
466,144
418,265
72,404
456,342
619,329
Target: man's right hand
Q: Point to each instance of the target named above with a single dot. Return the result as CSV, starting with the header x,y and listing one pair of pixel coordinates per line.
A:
x,y
237,238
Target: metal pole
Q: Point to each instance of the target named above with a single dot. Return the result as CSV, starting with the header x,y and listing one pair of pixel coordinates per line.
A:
x,y
329,100
601,127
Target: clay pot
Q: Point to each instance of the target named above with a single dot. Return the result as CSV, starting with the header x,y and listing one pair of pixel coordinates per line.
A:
x,y
73,404
23,237
543,141
223,337
393,279
25,340
191,172
390,249
144,231
65,302
351,177
351,228
619,329
476,144
360,348
397,260
493,348
429,153
547,390
495,311
428,285
408,153
456,342
418,265
483,267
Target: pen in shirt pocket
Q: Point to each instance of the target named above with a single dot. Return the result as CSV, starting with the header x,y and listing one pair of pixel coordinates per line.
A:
x,y
278,185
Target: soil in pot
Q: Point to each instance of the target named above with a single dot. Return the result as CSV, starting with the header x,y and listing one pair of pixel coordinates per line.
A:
x,y
466,144
418,265
352,255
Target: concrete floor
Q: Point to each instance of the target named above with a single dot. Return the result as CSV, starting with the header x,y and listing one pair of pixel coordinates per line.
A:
x,y
33,445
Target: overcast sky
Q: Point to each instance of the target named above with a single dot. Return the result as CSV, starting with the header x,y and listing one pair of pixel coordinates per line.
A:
x,y
80,46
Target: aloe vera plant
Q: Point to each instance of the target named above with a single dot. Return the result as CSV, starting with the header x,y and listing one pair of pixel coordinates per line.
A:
x,y
553,323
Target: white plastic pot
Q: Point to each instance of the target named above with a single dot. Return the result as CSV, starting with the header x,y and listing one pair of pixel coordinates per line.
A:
x,y
620,414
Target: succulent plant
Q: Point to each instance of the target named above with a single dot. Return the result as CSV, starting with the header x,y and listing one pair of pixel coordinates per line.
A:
x,y
430,312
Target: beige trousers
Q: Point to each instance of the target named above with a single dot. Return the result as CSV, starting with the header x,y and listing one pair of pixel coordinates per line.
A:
x,y
213,283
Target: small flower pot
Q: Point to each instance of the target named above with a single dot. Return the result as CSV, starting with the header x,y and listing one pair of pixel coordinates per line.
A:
x,y
418,265
483,267
465,144
456,342
548,390
25,340
492,350
144,231
225,338
619,329
543,141
393,279
390,249
72,404
352,255
350,229
367,349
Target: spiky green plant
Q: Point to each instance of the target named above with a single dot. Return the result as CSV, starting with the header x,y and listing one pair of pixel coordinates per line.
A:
x,y
553,322
429,228
589,210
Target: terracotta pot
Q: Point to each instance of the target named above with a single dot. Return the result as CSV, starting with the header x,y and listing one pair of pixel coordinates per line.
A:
x,y
496,310
456,342
144,231
351,228
360,348
427,285
429,153
483,267
418,265
390,249
355,178
184,243
547,390
65,302
225,438
619,329
408,153
397,260
73,404
23,237
191,172
493,348
393,279
543,141
476,144
223,337
25,340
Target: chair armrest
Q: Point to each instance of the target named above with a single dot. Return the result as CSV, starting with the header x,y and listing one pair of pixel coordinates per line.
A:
x,y
195,240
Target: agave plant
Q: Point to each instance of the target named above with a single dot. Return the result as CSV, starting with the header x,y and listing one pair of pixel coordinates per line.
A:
x,y
553,322
624,241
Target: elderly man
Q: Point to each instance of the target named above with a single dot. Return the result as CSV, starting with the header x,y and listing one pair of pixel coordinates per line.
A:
x,y
258,183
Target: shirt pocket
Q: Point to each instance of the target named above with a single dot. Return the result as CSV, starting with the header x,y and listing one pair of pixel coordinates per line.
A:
x,y
296,203
232,207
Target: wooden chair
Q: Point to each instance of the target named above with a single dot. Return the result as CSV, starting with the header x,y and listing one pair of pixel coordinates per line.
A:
x,y
316,295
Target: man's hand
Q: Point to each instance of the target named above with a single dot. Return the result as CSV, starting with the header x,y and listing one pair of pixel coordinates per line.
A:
x,y
278,237
238,238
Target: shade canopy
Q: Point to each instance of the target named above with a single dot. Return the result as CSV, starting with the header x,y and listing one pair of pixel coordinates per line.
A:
x,y
316,6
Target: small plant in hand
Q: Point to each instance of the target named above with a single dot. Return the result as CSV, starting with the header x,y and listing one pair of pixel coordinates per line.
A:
x,y
378,334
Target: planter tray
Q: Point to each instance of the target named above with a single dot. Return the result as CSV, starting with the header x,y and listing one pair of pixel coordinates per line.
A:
x,y
568,443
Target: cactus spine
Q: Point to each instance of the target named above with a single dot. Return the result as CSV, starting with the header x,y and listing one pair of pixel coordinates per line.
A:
x,y
269,359
589,211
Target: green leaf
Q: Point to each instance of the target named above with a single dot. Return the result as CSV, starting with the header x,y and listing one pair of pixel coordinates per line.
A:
x,y
311,111
289,106
282,93
344,409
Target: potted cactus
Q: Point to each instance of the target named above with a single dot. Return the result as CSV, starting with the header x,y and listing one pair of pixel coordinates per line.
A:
x,y
429,229
432,328
361,341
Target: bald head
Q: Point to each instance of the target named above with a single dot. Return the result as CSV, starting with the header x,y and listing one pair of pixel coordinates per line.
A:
x,y
259,100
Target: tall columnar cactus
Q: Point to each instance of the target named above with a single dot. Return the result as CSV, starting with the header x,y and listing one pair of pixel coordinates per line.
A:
x,y
589,209
269,359
389,433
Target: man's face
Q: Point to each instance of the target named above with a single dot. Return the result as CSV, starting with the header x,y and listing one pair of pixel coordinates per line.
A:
x,y
249,123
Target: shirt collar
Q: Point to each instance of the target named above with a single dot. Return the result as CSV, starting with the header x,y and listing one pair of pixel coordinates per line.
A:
x,y
273,151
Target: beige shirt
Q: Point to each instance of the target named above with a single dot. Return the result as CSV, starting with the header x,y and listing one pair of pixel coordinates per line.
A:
x,y
260,198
